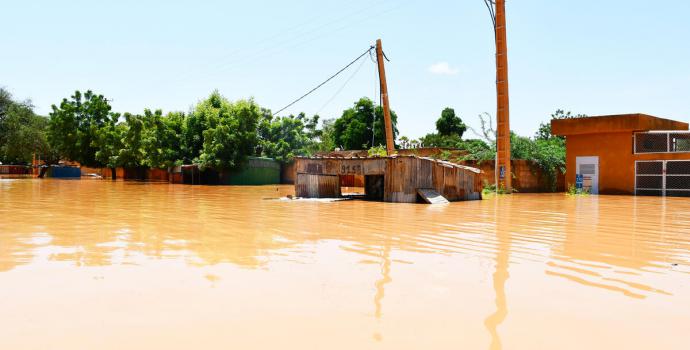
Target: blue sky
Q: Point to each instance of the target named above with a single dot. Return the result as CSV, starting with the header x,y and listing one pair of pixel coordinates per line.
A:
x,y
587,56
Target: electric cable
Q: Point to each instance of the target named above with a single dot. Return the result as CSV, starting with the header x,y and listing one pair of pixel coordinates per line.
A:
x,y
326,81
342,87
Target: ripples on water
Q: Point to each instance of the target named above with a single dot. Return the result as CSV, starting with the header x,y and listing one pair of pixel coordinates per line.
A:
x,y
521,271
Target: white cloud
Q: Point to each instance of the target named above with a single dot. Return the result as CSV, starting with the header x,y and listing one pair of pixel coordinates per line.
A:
x,y
443,68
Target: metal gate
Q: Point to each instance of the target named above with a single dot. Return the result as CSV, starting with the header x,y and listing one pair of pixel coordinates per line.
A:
x,y
662,178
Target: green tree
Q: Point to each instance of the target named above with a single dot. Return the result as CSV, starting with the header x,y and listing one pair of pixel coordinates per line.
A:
x,y
132,155
204,117
478,150
162,140
544,131
362,125
233,132
438,140
326,138
449,131
548,154
23,133
450,124
5,102
283,138
75,124
109,142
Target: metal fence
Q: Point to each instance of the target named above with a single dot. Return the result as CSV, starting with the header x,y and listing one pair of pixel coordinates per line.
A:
x,y
662,142
662,178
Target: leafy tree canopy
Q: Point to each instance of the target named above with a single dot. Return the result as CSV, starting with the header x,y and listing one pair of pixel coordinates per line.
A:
x,y
283,138
162,139
362,126
450,124
544,131
232,132
449,131
22,132
74,126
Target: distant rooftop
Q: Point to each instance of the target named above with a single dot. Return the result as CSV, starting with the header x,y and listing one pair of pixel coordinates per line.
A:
x,y
614,123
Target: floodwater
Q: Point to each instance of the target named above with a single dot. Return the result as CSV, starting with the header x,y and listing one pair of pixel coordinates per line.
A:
x,y
123,265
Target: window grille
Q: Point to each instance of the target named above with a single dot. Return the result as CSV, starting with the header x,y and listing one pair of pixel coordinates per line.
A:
x,y
662,178
662,142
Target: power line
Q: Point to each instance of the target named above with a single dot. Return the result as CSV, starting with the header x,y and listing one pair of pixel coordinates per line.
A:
x,y
342,87
325,81
490,5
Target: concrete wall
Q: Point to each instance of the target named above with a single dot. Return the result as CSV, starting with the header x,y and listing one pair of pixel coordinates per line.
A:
x,y
616,159
15,169
528,177
103,172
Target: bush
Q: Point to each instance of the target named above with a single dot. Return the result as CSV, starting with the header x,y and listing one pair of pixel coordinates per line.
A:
x,y
378,151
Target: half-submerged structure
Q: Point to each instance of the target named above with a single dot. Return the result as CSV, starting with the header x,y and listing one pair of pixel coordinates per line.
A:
x,y
399,179
627,154
392,178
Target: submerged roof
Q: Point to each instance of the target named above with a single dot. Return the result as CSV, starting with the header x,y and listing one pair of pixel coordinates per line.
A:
x,y
613,123
371,158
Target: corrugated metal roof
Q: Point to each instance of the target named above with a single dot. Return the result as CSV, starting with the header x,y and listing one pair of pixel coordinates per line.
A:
x,y
442,162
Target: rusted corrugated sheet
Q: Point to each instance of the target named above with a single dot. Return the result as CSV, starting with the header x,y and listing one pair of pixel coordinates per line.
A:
x,y
350,167
347,181
374,166
317,186
437,179
450,183
403,176
424,174
401,180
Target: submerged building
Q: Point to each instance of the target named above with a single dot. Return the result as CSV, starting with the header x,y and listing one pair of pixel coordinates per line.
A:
x,y
627,154
400,179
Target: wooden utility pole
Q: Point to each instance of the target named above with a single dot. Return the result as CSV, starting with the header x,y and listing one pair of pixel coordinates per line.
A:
x,y
390,145
502,112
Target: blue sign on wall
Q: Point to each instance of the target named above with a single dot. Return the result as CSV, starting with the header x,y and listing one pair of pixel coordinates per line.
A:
x,y
502,172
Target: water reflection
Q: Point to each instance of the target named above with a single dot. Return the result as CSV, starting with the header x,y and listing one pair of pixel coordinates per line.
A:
x,y
88,222
629,248
380,285
501,275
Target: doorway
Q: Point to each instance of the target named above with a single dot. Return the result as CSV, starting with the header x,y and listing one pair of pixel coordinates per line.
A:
x,y
587,169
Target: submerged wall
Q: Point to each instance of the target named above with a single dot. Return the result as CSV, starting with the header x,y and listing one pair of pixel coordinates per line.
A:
x,y
15,170
257,171
64,172
402,177
528,177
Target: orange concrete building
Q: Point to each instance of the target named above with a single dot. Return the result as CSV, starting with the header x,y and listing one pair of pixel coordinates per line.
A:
x,y
627,154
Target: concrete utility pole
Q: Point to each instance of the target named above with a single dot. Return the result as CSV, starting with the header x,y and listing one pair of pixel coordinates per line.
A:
x,y
390,145
502,112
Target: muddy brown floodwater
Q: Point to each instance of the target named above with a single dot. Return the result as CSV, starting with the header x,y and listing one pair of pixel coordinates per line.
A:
x,y
123,265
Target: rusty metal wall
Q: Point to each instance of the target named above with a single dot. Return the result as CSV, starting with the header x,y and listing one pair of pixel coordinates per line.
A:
x,y
317,186
403,175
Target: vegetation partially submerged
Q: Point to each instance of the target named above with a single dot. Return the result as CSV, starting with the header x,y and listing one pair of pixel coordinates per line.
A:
x,y
221,134
216,133
544,149
575,191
